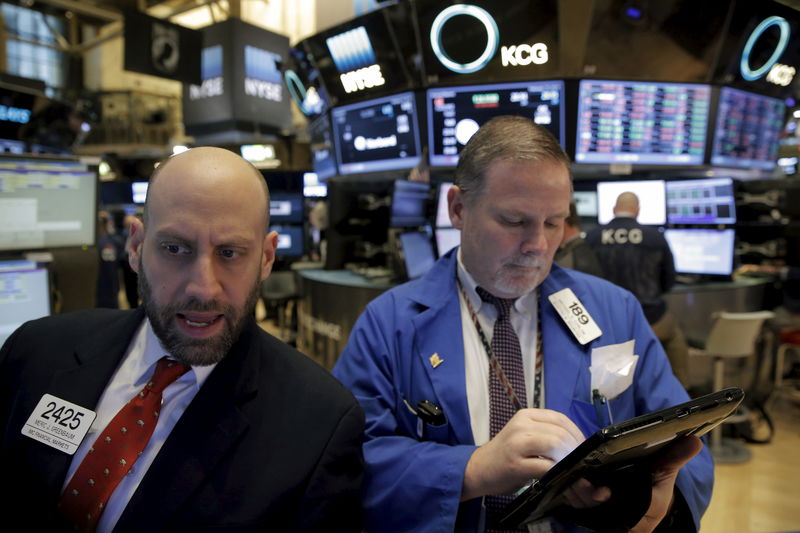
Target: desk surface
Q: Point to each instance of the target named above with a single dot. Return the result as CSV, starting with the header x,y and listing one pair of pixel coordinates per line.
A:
x,y
345,278
738,283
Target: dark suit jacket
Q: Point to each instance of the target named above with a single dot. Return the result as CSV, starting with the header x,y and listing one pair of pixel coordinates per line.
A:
x,y
271,442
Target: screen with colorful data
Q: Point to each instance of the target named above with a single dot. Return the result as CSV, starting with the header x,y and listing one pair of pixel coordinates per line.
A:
x,y
456,113
747,130
651,194
642,122
701,201
377,135
702,251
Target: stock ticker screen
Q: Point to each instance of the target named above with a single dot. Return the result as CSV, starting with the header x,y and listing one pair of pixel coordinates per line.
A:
x,y
642,122
377,135
456,113
747,130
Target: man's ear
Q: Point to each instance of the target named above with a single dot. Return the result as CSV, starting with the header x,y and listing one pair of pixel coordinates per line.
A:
x,y
134,244
268,257
455,206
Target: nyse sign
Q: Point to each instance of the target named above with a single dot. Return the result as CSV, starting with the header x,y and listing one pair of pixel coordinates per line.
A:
x,y
524,54
363,78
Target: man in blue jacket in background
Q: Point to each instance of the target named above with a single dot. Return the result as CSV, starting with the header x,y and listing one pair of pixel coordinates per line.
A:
x,y
419,359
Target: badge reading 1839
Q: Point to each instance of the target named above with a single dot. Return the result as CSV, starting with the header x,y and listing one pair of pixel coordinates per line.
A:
x,y
59,423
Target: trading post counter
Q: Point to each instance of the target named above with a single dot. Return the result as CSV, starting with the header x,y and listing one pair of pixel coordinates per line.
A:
x,y
330,303
695,304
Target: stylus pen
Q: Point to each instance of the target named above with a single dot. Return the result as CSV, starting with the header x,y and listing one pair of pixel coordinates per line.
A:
x,y
599,401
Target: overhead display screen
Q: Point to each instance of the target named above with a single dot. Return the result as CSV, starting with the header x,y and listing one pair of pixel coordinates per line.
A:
x,y
377,135
747,130
702,201
456,113
642,122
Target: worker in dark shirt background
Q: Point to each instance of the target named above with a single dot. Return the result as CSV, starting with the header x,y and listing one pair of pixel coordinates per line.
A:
x,y
638,258
574,252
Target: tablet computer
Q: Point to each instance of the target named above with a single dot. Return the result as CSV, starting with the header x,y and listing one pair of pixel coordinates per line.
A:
x,y
619,448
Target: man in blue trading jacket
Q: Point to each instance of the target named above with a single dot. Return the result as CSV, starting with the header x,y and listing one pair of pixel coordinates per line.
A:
x,y
433,471
638,258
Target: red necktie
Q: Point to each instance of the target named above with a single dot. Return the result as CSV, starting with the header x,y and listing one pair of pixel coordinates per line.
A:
x,y
116,449
505,345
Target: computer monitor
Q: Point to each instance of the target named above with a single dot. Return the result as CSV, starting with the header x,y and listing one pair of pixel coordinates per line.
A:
x,y
456,113
747,130
702,251
701,201
286,208
24,295
46,203
585,203
377,135
417,252
139,191
442,211
290,240
323,156
651,194
409,204
640,122
313,187
446,239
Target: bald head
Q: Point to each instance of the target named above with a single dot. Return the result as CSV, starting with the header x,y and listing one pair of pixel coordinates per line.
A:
x,y
627,204
209,171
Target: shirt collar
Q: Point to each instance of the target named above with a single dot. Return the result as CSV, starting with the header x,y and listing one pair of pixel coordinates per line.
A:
x,y
525,304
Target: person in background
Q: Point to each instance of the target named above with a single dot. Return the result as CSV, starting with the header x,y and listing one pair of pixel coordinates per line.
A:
x,y
183,414
109,250
574,252
129,278
449,437
638,258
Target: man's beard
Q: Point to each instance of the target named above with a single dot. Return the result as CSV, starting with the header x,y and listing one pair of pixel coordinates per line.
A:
x,y
510,282
197,352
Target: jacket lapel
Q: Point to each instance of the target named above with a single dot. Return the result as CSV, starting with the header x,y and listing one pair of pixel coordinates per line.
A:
x,y
211,424
95,360
437,330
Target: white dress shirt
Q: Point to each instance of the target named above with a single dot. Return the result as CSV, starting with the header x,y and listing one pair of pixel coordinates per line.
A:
x,y
130,377
476,361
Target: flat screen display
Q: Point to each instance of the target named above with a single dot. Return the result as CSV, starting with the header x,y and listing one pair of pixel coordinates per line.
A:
x,y
409,204
290,240
446,239
285,208
642,122
702,251
442,211
377,135
456,113
46,203
139,191
24,295
651,194
323,156
585,203
418,255
313,187
747,130
701,201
